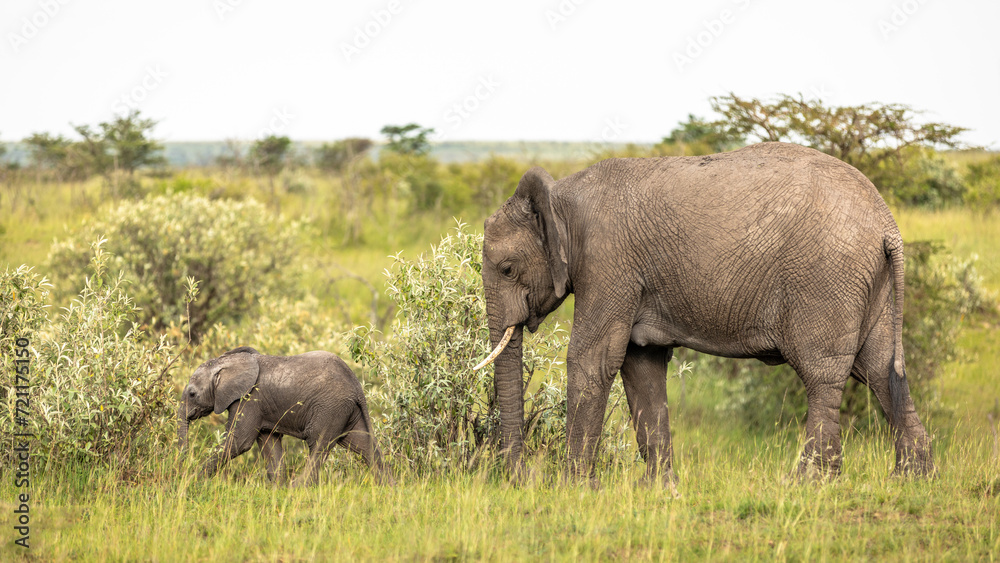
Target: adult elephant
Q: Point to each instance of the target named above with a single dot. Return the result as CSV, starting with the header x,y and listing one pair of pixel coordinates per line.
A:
x,y
774,251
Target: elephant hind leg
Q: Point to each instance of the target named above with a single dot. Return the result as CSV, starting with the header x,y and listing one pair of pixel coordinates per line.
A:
x,y
360,439
644,379
321,435
273,454
873,367
319,450
824,378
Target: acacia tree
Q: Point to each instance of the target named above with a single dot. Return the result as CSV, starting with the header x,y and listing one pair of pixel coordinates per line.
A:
x,y
92,152
47,152
129,142
112,149
697,136
882,140
408,139
269,156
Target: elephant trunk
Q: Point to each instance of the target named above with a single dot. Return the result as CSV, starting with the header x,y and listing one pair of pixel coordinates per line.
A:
x,y
182,427
509,383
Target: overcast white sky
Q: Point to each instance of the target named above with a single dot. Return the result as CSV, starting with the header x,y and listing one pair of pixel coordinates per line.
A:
x,y
536,70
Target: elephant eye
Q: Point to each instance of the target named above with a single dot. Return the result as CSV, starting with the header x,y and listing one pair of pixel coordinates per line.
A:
x,y
507,270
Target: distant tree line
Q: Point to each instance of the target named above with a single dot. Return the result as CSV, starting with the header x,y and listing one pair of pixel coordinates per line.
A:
x,y
889,143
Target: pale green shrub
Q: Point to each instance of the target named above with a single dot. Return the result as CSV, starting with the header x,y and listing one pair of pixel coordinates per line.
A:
x,y
23,300
238,251
281,327
436,411
100,390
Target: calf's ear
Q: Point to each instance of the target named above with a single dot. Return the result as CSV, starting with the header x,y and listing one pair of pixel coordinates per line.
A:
x,y
235,378
536,187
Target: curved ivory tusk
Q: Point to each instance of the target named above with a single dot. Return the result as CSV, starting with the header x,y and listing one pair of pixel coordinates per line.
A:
x,y
496,351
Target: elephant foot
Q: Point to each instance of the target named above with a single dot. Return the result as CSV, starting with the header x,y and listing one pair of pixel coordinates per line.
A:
x,y
665,478
814,468
302,482
521,475
919,464
576,479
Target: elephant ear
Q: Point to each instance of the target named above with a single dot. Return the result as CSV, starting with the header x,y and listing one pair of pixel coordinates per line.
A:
x,y
536,187
235,378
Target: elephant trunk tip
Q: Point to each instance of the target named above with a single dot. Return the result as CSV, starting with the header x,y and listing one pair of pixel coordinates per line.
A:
x,y
496,351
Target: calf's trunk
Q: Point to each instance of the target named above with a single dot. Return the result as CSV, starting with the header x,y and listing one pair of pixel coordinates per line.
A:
x,y
182,427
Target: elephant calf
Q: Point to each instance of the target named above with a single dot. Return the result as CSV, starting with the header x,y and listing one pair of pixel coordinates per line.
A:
x,y
312,396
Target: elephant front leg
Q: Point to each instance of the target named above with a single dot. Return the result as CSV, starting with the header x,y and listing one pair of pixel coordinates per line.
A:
x,y
591,365
233,445
645,383
241,433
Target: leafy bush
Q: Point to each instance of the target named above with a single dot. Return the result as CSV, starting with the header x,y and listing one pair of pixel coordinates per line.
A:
x,y
416,177
940,290
486,184
334,157
920,177
23,300
238,251
100,391
282,327
437,412
983,185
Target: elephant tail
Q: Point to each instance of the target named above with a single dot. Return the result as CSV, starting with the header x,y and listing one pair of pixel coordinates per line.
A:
x,y
898,388
373,456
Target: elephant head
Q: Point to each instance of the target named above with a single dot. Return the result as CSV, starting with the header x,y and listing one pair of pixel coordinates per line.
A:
x,y
525,277
216,385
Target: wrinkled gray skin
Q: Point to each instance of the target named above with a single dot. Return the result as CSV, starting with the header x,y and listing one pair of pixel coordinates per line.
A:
x,y
312,396
774,251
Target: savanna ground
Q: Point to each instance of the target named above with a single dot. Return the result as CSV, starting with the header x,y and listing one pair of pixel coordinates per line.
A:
x,y
737,499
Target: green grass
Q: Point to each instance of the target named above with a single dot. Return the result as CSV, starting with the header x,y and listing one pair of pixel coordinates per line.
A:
x,y
965,233
737,503
737,499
